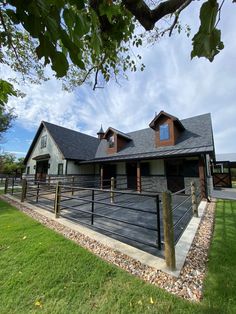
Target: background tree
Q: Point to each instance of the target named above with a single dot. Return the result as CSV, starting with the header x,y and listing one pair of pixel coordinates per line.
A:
x,y
10,165
6,114
81,39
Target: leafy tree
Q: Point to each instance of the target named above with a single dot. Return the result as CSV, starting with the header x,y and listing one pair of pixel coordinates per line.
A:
x,y
6,114
9,164
81,39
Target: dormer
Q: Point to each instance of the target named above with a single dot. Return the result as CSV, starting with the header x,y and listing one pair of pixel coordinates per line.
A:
x,y
116,140
167,129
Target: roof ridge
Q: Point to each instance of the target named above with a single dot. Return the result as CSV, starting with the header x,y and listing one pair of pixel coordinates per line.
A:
x,y
71,130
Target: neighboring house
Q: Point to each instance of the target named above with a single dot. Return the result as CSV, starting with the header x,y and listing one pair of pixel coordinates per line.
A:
x,y
224,170
169,154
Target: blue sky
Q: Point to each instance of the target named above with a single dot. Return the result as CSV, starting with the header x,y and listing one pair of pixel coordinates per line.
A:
x,y
170,82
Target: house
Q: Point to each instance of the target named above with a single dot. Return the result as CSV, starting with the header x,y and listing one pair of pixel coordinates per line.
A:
x,y
56,150
169,154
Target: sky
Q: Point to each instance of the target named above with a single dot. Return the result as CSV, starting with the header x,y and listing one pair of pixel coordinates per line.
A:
x,y
171,82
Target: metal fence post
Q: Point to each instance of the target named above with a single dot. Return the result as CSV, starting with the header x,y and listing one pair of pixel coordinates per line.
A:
x,y
168,231
37,193
12,185
57,200
112,189
194,199
72,185
23,190
158,222
92,208
6,186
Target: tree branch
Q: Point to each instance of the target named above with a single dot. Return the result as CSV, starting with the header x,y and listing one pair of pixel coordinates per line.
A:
x,y
147,17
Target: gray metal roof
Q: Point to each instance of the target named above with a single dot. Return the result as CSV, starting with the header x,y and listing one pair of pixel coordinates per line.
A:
x,y
196,138
73,144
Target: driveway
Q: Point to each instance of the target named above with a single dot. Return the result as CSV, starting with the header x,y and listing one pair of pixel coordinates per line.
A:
x,y
224,193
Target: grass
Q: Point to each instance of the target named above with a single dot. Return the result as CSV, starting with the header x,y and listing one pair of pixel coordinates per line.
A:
x,y
220,283
42,272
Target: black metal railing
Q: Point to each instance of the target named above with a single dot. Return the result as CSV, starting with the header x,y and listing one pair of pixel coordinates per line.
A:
x,y
183,209
114,212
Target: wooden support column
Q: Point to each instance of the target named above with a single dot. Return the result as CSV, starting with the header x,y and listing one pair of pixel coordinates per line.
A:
x,y
101,177
139,187
202,177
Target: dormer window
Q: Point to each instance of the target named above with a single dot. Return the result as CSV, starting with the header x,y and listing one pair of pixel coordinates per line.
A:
x,y
164,132
167,129
111,141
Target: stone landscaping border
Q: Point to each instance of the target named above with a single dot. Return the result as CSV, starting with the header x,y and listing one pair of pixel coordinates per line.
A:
x,y
189,283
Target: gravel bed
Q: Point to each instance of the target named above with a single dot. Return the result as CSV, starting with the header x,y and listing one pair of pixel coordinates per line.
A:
x,y
189,284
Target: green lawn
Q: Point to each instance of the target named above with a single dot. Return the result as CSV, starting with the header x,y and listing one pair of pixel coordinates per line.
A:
x,y
42,272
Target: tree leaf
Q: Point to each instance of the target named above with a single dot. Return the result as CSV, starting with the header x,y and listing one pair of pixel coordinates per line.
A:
x,y
60,64
207,41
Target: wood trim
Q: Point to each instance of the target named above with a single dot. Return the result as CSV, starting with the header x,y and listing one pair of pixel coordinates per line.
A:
x,y
202,177
139,186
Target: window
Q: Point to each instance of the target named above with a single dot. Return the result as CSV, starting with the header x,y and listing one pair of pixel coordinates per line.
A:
x,y
43,141
111,141
164,132
60,169
145,169
28,170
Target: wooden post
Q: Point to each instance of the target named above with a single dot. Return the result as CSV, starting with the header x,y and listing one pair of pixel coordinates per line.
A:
x,y
6,186
168,231
202,177
57,200
194,200
101,176
23,190
112,189
72,185
138,177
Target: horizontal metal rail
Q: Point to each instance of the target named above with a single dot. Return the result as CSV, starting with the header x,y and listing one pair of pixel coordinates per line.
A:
x,y
183,202
180,191
112,218
182,217
111,204
117,191
114,233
